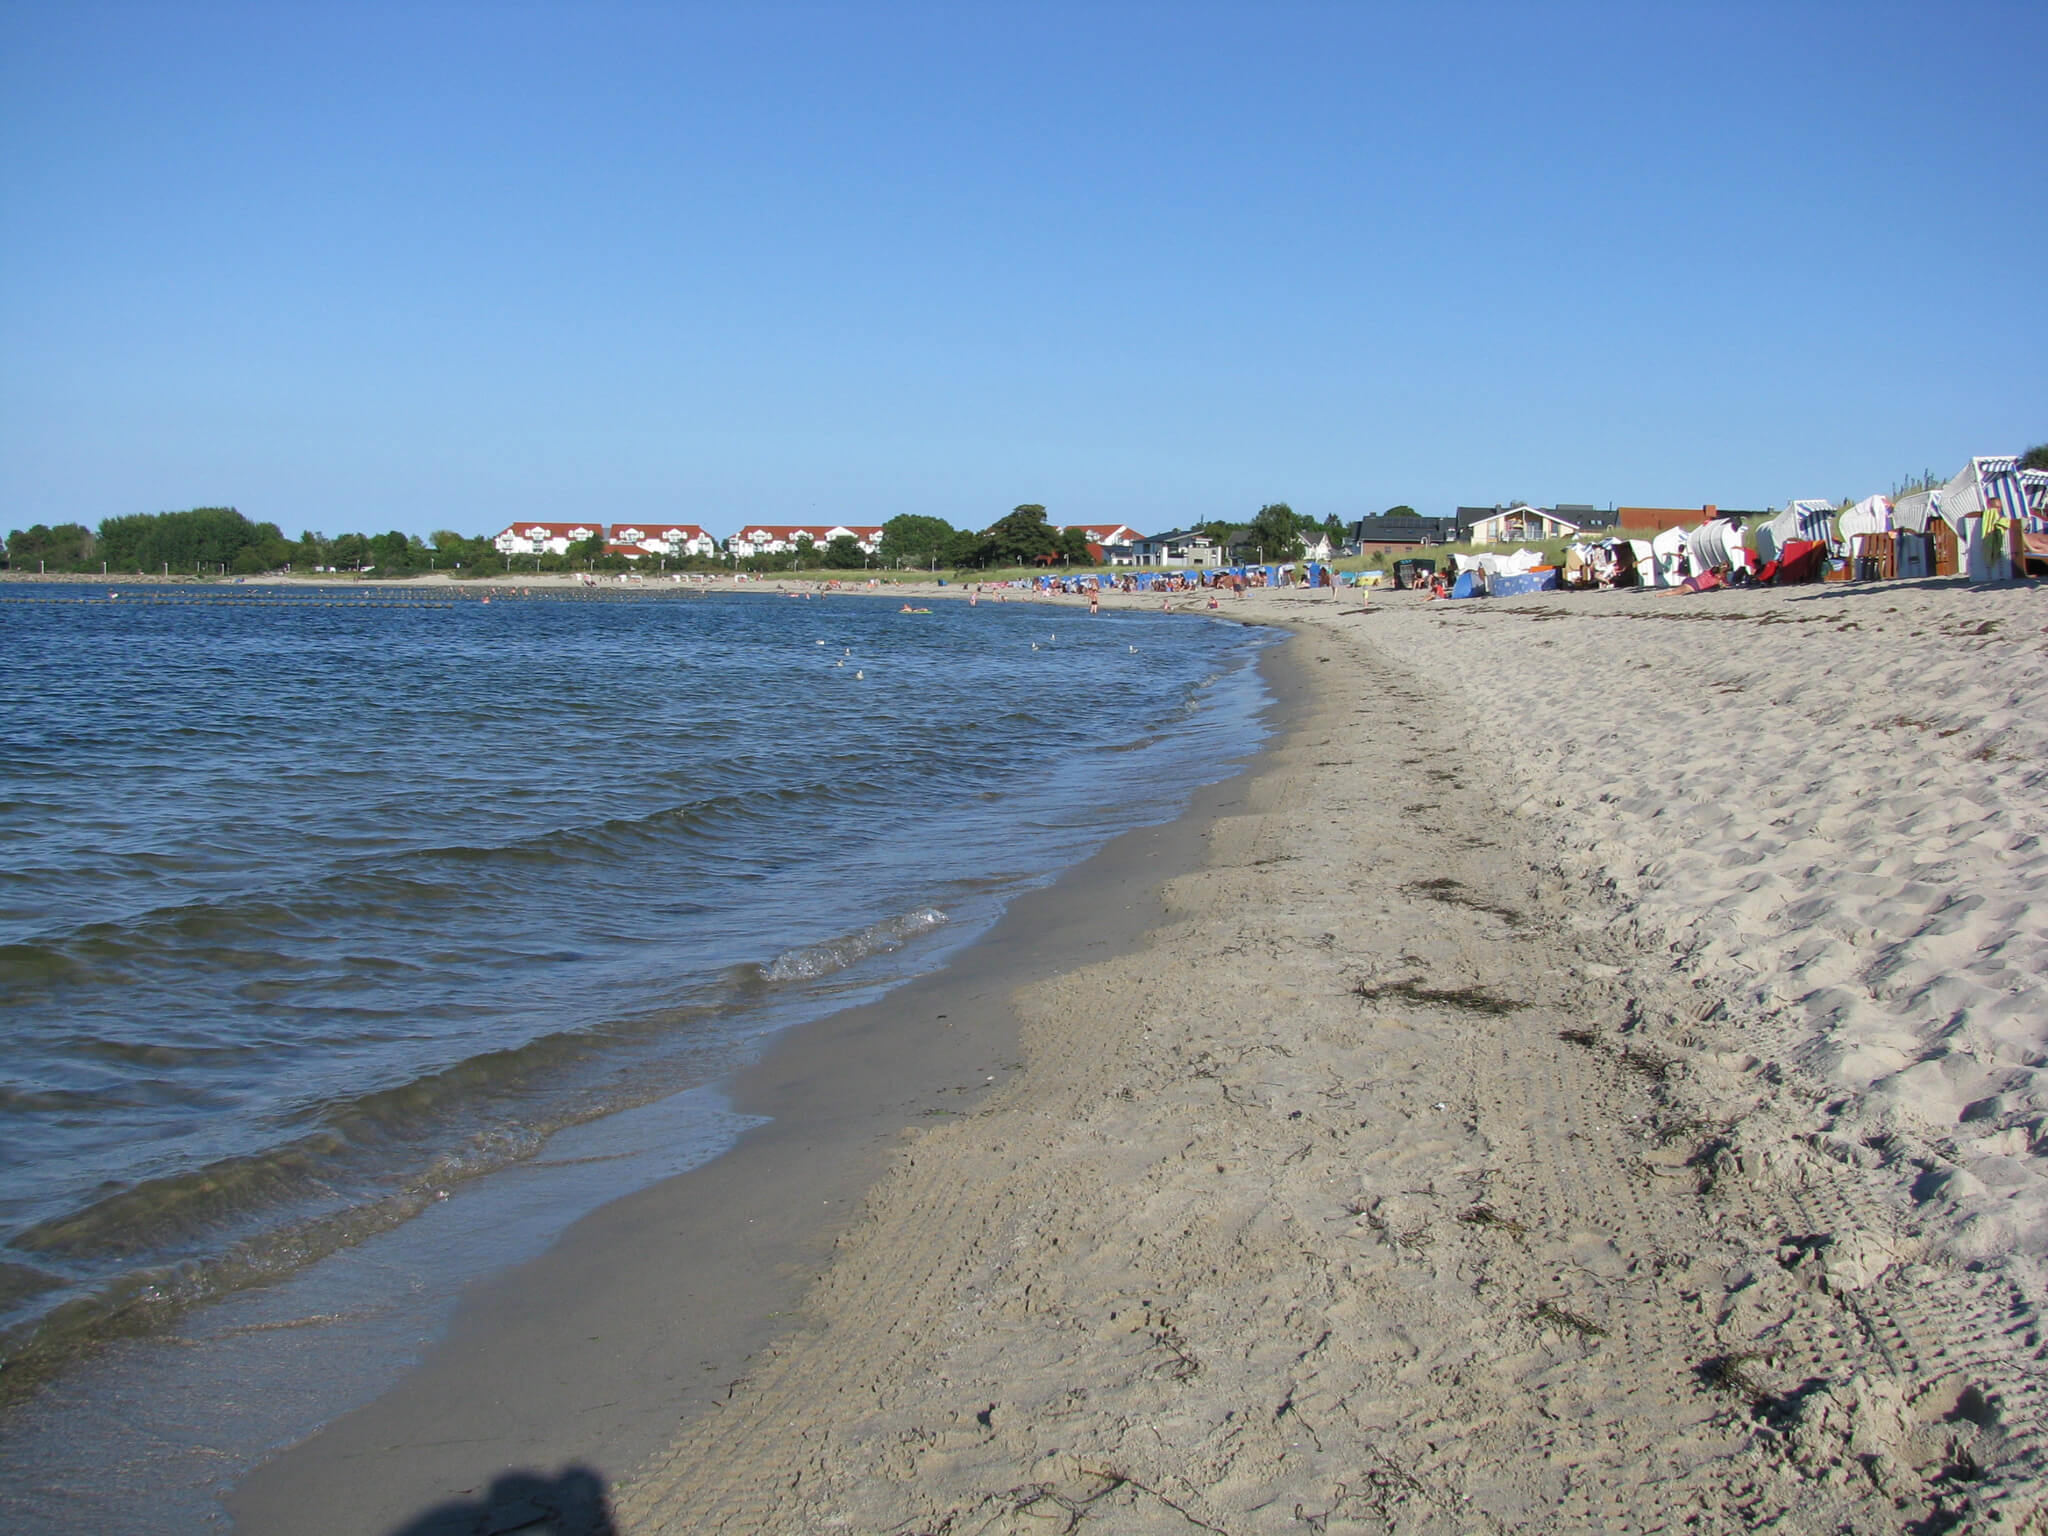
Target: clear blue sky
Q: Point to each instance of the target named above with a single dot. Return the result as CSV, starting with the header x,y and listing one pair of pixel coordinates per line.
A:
x,y
422,266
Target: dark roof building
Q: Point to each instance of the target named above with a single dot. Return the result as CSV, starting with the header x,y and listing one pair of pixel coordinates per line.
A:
x,y
1405,531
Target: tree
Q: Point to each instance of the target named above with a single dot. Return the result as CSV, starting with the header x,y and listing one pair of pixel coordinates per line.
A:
x,y
1404,510
394,551
591,548
2035,457
967,548
1276,531
1074,547
202,537
911,539
1020,538
66,547
844,553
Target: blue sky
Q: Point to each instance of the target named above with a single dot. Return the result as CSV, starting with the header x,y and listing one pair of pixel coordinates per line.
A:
x,y
427,266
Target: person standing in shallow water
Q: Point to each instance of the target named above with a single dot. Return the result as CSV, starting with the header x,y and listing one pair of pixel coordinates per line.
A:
x,y
1094,600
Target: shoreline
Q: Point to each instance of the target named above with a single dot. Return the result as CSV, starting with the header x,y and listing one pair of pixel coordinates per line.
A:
x,y
653,1304
1582,1075
1527,1147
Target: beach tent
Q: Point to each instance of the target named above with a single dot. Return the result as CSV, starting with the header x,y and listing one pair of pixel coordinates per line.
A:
x,y
1665,550
2033,522
2034,483
1647,573
1808,521
1988,488
1927,546
1716,546
1910,513
1873,514
1867,529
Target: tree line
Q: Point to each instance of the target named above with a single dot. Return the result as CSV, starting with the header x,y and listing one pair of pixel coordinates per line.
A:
x,y
206,541
209,541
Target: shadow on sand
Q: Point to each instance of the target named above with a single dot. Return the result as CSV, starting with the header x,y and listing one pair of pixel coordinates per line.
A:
x,y
524,1504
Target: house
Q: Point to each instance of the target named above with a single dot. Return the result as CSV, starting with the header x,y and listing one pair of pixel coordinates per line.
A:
x,y
664,538
1105,534
1577,516
1520,525
783,538
1181,546
1584,513
545,538
1394,535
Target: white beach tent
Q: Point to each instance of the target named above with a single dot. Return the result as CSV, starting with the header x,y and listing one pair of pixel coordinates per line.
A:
x,y
1664,552
1989,489
1647,572
1873,514
1810,519
1716,546
2034,483
1910,513
1986,479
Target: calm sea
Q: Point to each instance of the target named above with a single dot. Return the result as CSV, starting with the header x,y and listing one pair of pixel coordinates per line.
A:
x,y
320,908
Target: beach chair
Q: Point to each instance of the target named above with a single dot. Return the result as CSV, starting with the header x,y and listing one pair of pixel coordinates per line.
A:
x,y
1873,556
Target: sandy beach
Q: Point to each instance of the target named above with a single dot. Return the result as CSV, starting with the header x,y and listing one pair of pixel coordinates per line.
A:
x,y
1586,1076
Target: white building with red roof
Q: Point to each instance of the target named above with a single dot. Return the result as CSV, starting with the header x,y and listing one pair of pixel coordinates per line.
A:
x,y
545,538
662,538
781,538
1105,533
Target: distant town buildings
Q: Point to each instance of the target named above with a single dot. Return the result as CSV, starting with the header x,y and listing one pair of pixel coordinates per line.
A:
x,y
1105,534
662,539
545,538
1391,535
1122,544
636,540
782,538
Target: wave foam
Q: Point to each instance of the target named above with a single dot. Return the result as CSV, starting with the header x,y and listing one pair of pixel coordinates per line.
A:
x,y
811,961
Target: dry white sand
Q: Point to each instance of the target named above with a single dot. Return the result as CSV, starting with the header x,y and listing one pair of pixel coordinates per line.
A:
x,y
1595,1084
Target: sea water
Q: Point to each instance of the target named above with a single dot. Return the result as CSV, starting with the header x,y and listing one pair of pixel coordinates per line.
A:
x,y
337,924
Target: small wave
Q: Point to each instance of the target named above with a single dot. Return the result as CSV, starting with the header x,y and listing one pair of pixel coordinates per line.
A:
x,y
811,961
